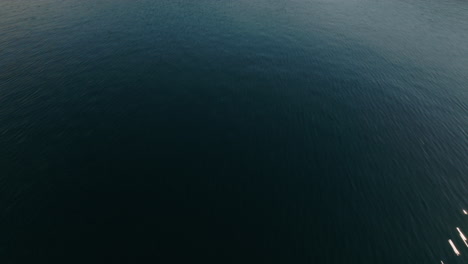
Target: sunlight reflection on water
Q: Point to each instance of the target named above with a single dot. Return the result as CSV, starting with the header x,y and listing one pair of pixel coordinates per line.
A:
x,y
463,238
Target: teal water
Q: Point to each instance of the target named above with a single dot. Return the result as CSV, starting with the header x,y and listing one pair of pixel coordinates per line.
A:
x,y
260,131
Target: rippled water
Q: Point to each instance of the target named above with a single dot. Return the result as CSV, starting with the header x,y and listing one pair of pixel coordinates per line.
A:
x,y
245,131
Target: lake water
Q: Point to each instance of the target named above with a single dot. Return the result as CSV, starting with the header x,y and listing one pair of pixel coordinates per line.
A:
x,y
242,131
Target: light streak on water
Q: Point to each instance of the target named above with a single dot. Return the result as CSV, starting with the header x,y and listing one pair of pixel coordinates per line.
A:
x,y
454,247
462,237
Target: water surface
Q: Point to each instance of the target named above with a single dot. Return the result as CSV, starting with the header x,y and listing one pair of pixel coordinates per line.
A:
x,y
247,131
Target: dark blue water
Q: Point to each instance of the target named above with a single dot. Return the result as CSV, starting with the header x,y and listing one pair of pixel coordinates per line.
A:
x,y
245,131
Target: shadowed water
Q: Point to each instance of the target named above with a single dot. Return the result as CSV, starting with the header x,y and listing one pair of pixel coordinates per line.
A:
x,y
246,131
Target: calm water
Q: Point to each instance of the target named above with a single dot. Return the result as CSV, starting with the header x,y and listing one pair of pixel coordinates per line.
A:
x,y
242,131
